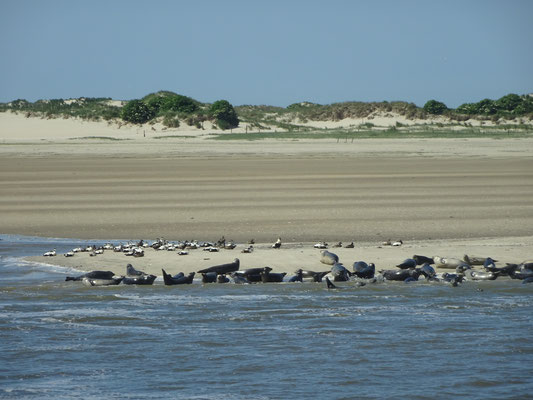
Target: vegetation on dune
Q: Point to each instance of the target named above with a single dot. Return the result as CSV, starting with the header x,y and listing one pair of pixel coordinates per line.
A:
x,y
224,114
509,106
435,107
137,112
173,110
93,109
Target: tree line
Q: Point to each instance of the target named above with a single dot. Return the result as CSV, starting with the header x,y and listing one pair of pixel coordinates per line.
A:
x,y
511,105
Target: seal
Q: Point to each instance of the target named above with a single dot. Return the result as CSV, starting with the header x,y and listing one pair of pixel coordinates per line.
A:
x,y
407,263
178,279
251,274
314,276
328,258
452,279
92,275
520,272
135,277
239,279
209,277
329,284
400,275
298,277
101,282
130,271
476,260
222,268
363,270
428,271
340,273
444,262
481,275
421,260
222,279
139,280
267,276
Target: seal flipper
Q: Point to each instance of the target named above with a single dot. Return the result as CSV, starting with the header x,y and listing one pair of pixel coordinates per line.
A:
x,y
329,284
166,278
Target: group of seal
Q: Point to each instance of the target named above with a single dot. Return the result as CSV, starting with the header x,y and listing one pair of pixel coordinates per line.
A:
x,y
409,270
107,278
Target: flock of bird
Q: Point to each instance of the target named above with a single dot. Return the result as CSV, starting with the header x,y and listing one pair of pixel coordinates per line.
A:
x,y
410,270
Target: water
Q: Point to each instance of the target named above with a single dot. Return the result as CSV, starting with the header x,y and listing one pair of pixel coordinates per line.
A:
x,y
420,341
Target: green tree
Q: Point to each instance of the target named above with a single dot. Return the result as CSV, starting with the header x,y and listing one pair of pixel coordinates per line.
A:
x,y
179,103
435,107
224,114
509,102
486,106
137,112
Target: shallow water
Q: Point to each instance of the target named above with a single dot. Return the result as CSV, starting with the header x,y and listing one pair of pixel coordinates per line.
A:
x,y
267,341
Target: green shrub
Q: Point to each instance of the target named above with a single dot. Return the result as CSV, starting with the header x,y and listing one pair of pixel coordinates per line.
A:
x,y
435,107
137,112
224,114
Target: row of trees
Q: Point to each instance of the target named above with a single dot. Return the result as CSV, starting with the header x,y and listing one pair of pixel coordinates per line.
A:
x,y
506,106
174,107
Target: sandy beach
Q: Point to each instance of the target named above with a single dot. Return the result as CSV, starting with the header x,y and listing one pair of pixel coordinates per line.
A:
x,y
440,196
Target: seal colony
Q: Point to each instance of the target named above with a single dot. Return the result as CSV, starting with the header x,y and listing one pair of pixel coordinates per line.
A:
x,y
328,266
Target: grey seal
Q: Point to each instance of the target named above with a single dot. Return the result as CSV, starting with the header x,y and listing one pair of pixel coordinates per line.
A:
x,y
363,270
268,276
101,282
298,277
407,263
178,279
222,268
92,275
135,277
340,273
328,258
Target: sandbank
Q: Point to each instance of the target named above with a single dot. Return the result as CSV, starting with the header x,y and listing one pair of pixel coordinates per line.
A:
x,y
442,196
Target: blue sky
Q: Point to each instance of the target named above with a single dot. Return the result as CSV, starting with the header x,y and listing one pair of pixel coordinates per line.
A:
x,y
267,52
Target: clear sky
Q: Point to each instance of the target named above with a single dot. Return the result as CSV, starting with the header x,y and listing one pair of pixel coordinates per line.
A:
x,y
274,52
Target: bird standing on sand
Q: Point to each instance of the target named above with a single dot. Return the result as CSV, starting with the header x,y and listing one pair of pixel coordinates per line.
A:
x,y
277,245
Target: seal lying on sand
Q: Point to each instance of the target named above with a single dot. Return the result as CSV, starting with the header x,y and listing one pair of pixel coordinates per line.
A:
x,y
314,276
476,260
268,276
101,282
298,277
222,268
92,275
444,262
421,260
407,263
481,275
400,275
135,277
328,258
178,279
363,270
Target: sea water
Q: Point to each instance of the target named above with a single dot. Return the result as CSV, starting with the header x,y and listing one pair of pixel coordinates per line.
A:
x,y
62,340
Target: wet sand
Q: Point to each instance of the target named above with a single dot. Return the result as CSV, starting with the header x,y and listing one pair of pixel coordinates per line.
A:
x,y
300,199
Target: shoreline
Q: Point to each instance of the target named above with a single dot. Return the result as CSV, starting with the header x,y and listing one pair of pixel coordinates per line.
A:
x,y
292,256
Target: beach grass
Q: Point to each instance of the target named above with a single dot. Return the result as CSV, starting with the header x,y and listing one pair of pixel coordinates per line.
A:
x,y
174,137
99,138
336,134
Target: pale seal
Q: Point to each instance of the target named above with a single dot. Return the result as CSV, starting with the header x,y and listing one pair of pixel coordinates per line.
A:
x,y
328,258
